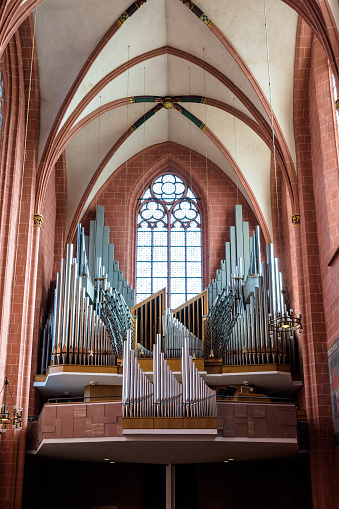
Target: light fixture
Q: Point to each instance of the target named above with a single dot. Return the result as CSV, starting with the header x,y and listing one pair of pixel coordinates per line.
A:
x,y
286,322
106,459
6,417
112,461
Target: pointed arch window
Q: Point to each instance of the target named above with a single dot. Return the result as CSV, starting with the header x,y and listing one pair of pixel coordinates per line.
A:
x,y
169,241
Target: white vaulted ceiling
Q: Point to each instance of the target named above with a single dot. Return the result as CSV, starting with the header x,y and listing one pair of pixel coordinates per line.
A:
x,y
164,49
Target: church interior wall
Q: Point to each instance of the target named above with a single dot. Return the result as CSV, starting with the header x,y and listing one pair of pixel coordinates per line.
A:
x,y
310,264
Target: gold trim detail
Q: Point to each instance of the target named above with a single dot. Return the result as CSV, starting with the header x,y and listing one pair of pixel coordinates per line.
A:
x,y
168,103
38,220
295,219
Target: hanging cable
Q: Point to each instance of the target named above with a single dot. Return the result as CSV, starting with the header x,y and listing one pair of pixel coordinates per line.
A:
x,y
235,150
273,133
126,163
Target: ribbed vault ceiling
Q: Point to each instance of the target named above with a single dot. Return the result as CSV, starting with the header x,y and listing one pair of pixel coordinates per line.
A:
x,y
90,64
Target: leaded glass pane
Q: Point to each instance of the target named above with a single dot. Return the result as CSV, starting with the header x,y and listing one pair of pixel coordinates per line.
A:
x,y
144,253
194,238
194,285
144,285
191,295
144,237
152,211
177,285
177,269
193,254
335,94
178,253
160,238
160,269
147,195
144,269
177,237
193,269
160,254
168,188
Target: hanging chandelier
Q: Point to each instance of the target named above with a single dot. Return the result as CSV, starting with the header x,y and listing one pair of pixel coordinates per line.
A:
x,y
286,322
6,417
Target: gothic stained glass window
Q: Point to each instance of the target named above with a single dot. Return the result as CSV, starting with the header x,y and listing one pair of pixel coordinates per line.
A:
x,y
169,241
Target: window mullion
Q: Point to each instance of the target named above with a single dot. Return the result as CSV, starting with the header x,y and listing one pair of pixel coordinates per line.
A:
x,y
152,246
168,259
186,263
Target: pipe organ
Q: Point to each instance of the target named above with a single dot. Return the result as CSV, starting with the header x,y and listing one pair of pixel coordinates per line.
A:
x,y
230,320
166,396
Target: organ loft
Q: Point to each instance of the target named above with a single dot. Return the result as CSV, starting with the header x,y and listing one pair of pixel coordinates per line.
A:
x,y
169,254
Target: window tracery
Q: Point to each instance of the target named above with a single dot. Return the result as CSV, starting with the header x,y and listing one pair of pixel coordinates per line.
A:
x,y
169,241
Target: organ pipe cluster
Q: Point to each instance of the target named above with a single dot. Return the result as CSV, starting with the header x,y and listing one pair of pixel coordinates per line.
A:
x,y
74,333
256,320
253,340
167,389
237,254
90,317
175,334
137,390
96,257
166,396
199,400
